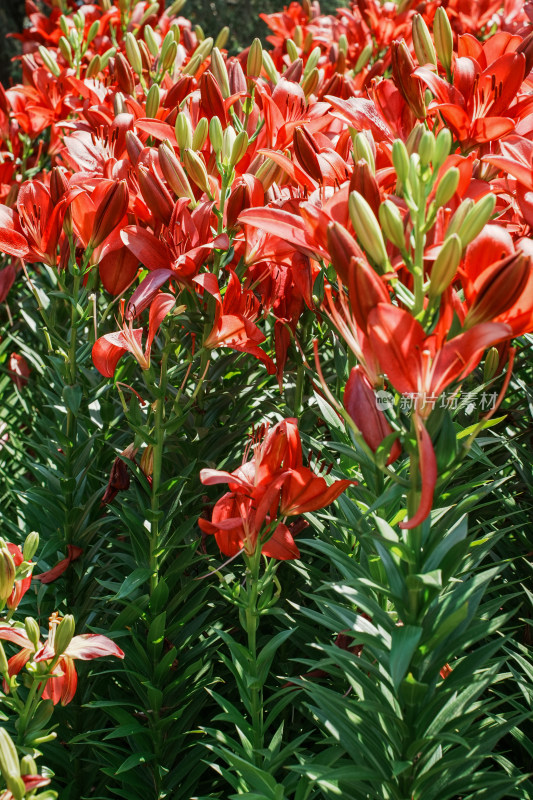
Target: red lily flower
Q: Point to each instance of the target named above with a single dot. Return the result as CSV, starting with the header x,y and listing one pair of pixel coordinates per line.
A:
x,y
109,349
21,586
273,484
62,685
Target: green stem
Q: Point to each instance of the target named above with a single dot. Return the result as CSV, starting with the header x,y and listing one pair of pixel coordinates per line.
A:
x,y
252,621
418,265
159,436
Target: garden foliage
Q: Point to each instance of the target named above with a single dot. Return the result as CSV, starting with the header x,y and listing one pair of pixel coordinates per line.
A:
x,y
265,404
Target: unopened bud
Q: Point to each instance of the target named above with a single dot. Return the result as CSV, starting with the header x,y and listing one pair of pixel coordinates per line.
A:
x,y
147,461
240,146
49,61
216,134
413,140
364,58
176,33
219,70
104,58
193,65
292,50
110,211
423,43
31,544
64,634
222,38
297,35
204,48
445,266
93,30
310,82
152,9
492,362
63,24
183,130
175,8
4,666
312,61
459,217
173,172
391,222
477,218
400,159
269,173
199,31
153,99
151,41
65,49
28,766
94,67
119,105
9,762
362,149
33,632
254,64
7,573
133,53
228,140
443,37
270,68
200,134
447,186
426,148
443,145
367,230
343,43
196,170
169,59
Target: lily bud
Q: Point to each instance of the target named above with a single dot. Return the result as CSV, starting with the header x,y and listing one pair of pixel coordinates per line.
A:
x,y
426,148
147,460
151,41
361,403
423,43
502,285
400,160
169,59
343,43
295,71
305,151
176,33
133,53
367,230
134,147
443,36
7,573
193,65
270,68
219,70
31,543
64,634
413,140
199,31
477,218
445,267
391,222
228,140
292,50
28,766
146,56
156,195
196,170
93,67
65,49
403,66
364,58
32,631
175,8
49,61
124,74
109,213
459,217
222,38
443,145
343,250
447,186
240,146
10,767
362,148
310,83
153,98
312,61
4,666
254,63
269,173
364,182
183,131
492,362
104,58
204,48
152,9
216,134
93,30
200,134
211,98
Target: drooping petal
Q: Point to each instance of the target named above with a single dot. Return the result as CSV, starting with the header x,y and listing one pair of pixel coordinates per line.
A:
x,y
106,356
16,636
92,645
303,491
397,340
428,473
281,545
159,308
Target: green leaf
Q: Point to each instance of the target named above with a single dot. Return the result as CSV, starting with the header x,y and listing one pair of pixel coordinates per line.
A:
x,y
404,641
